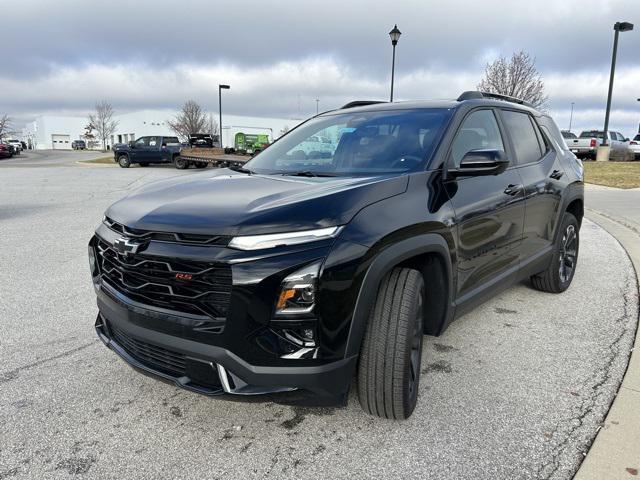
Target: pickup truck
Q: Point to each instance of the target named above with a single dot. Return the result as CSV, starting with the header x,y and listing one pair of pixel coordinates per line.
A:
x,y
634,146
586,145
146,150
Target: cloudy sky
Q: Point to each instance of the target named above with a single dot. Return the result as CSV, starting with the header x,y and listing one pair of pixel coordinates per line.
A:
x,y
279,56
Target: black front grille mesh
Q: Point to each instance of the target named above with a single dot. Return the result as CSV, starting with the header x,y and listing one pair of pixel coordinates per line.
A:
x,y
150,355
197,288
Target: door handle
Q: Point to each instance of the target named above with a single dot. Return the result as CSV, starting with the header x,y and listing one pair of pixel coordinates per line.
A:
x,y
556,174
512,189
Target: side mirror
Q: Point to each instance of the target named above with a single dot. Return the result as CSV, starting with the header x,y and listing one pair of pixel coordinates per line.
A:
x,y
481,162
132,144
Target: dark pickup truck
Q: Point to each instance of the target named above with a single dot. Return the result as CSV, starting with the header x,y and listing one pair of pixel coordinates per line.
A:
x,y
146,150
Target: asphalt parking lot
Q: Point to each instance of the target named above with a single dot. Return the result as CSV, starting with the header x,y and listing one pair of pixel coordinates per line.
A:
x,y
515,389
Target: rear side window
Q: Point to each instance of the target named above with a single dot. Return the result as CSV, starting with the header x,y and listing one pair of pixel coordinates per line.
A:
x,y
524,135
479,131
169,140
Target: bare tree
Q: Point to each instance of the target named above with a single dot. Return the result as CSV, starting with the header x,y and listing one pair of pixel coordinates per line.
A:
x,y
190,120
102,122
516,77
212,127
5,126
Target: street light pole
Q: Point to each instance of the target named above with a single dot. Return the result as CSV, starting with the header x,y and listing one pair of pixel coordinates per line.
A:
x,y
220,88
618,27
395,36
317,105
571,117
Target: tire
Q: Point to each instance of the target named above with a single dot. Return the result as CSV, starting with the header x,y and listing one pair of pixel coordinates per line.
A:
x,y
200,165
389,367
558,276
179,163
123,161
145,164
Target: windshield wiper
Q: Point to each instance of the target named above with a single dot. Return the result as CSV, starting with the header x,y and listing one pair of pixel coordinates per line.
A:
x,y
237,168
309,173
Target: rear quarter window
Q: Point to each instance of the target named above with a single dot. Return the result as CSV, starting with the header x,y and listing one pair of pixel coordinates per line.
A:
x,y
524,136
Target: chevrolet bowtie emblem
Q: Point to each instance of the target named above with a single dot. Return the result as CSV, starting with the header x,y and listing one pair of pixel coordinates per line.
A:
x,y
126,246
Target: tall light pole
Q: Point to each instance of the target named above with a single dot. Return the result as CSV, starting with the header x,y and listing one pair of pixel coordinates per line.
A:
x,y
618,27
571,117
317,105
395,36
220,88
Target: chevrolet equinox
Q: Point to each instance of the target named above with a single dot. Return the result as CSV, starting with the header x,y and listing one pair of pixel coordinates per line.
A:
x,y
330,254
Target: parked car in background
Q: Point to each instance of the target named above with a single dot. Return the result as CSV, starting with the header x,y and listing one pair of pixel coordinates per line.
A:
x,y
634,146
586,146
6,150
79,145
17,146
24,145
300,271
147,150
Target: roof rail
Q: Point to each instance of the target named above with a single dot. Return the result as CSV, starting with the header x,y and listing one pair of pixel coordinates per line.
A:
x,y
360,103
474,95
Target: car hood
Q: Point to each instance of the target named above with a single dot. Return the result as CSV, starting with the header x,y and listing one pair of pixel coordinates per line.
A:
x,y
224,202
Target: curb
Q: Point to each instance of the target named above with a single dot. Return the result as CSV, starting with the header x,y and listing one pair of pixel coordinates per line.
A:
x,y
615,452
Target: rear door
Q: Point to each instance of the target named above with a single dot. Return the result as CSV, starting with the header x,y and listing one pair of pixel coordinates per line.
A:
x,y
542,176
489,213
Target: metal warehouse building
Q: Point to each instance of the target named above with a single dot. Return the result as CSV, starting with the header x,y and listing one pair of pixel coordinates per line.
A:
x,y
57,132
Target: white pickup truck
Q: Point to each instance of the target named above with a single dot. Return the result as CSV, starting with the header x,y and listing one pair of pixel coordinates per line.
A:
x,y
586,145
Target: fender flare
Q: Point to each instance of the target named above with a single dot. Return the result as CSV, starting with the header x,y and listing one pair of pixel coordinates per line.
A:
x,y
575,191
382,263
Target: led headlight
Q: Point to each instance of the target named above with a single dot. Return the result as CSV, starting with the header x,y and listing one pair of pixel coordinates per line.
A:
x,y
298,291
258,242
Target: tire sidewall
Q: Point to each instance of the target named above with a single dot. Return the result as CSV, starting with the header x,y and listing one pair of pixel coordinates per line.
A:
x,y
179,163
123,161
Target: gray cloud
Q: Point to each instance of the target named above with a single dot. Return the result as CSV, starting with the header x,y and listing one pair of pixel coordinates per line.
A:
x,y
280,55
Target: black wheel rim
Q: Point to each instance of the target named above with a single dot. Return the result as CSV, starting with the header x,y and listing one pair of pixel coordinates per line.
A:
x,y
568,253
415,359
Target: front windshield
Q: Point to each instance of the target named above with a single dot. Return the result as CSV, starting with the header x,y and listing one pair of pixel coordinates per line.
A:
x,y
356,143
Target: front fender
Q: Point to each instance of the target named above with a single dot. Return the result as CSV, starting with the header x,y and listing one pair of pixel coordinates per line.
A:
x,y
381,264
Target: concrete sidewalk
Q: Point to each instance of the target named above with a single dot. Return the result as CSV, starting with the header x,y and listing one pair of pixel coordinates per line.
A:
x,y
615,453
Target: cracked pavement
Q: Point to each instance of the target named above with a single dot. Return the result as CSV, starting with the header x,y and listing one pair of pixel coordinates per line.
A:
x,y
514,390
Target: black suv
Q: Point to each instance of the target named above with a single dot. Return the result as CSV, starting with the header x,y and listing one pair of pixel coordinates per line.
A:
x,y
307,267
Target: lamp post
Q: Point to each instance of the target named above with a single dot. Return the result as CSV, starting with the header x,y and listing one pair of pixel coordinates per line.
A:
x,y
618,27
220,88
317,105
395,36
571,117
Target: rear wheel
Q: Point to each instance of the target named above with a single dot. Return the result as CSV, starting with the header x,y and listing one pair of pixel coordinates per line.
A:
x,y
558,276
179,163
123,161
389,368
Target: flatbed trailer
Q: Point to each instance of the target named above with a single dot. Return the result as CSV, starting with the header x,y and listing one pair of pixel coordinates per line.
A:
x,y
212,156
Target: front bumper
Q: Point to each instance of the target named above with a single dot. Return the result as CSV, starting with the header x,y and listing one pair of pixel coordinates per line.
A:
x,y
215,359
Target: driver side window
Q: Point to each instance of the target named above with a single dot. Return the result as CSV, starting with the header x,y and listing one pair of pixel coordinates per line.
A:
x,y
478,131
141,142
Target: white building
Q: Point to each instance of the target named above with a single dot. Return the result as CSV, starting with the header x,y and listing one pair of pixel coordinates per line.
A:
x,y
57,132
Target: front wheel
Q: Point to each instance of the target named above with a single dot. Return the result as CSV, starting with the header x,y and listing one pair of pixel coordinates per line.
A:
x,y
558,276
179,163
389,368
124,161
